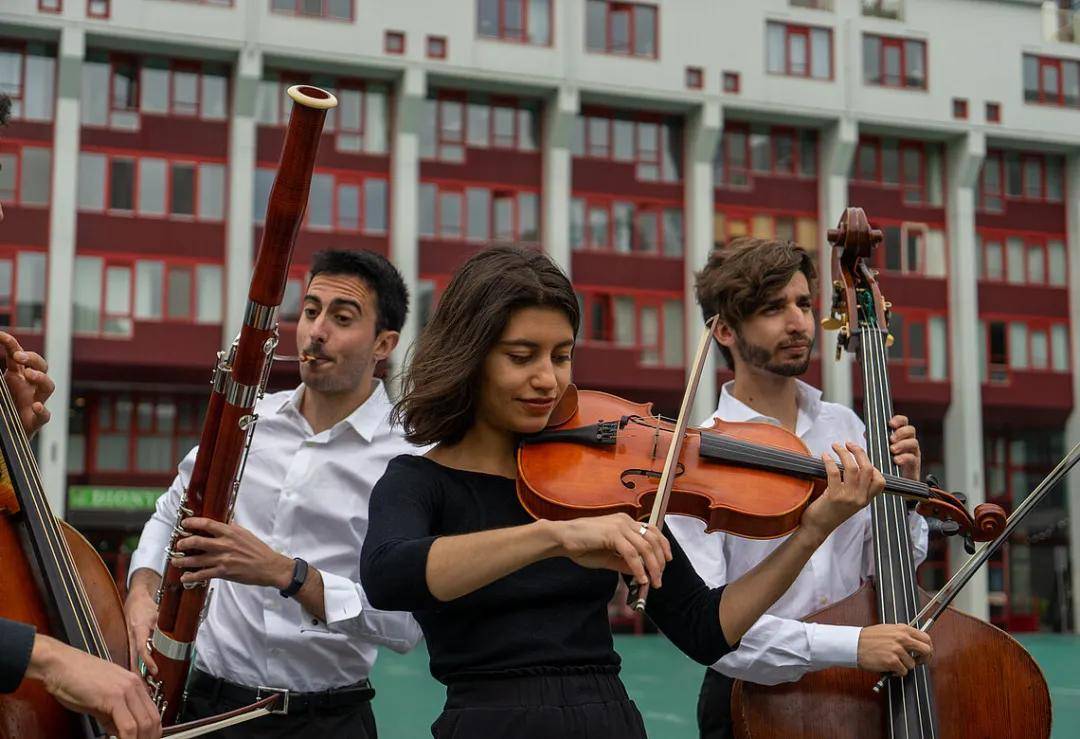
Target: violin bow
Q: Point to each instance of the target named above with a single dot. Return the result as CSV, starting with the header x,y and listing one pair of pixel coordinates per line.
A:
x,y
929,613
640,593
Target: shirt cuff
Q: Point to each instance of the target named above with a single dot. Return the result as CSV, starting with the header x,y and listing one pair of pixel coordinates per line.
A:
x,y
15,656
341,598
834,646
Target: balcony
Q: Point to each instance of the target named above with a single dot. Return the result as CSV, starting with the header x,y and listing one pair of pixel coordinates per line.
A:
x,y
1061,21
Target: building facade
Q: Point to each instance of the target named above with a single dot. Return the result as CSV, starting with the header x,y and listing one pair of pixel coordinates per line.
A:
x,y
626,139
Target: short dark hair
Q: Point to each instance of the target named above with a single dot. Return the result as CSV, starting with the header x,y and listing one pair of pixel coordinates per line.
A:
x,y
376,271
5,110
441,378
740,277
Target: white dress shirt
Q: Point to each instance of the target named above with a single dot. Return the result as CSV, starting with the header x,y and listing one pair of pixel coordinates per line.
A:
x,y
304,495
778,647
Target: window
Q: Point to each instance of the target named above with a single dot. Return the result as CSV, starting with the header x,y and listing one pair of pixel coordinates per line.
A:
x,y
1051,81
653,145
894,62
451,213
22,290
892,9
185,89
527,21
394,42
27,76
621,28
337,201
97,9
25,175
649,323
798,51
117,76
360,123
731,83
50,6
915,167
144,433
453,121
1022,260
764,150
1012,175
920,345
626,226
913,248
993,112
331,9
960,108
151,186
436,47
1031,344
695,78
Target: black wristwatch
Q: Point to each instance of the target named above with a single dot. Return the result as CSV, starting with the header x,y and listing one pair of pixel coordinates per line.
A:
x,y
299,575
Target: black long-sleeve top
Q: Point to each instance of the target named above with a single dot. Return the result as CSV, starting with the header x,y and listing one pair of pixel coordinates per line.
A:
x,y
550,616
16,644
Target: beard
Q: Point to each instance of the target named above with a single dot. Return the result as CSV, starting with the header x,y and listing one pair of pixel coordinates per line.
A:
x,y
340,377
768,360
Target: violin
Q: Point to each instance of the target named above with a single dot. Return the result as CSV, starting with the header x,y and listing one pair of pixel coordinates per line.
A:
x,y
602,454
980,681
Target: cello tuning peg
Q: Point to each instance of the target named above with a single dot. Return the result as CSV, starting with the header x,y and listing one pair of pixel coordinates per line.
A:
x,y
832,323
969,544
889,341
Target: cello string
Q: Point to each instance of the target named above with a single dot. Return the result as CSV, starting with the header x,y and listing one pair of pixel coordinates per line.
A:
x,y
898,521
59,552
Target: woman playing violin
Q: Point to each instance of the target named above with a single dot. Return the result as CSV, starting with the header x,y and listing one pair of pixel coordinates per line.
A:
x,y
514,609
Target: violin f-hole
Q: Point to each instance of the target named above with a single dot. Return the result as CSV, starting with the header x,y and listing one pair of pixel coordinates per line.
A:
x,y
650,474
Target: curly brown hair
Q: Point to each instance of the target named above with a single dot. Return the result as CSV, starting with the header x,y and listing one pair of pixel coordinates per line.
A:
x,y
739,278
439,383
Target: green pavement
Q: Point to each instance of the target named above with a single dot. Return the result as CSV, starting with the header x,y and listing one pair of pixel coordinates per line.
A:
x,y
664,684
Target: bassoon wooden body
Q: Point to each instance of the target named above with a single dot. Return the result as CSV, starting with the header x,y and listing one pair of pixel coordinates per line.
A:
x,y
239,379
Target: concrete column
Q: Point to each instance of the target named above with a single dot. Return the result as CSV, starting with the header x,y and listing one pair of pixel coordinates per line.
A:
x,y
53,437
704,125
1072,428
838,142
408,105
239,228
560,111
964,470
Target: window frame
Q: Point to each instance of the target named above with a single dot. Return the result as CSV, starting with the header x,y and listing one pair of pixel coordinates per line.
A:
x,y
923,317
495,191
774,132
15,147
900,43
346,178
1031,240
95,429
805,31
590,294
996,158
11,253
1033,324
611,7
323,15
99,16
641,207
502,35
636,119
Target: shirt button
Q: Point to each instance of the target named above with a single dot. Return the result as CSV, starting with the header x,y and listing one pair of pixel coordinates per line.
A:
x,y
314,622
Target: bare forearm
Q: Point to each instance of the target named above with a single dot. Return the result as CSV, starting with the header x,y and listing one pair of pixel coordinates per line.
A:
x,y
459,565
746,599
311,596
145,582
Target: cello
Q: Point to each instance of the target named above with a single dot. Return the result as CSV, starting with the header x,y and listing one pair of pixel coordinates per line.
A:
x,y
980,682
50,577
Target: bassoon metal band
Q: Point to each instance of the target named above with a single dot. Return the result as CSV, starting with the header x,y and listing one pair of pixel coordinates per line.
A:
x,y
166,645
241,395
260,317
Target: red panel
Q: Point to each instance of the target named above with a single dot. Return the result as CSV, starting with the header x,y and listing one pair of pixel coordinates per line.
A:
x,y
879,202
489,166
1026,216
995,297
150,354
30,131
25,226
309,242
627,270
165,134
789,193
444,257
914,291
912,398
270,139
1031,397
619,178
618,370
104,233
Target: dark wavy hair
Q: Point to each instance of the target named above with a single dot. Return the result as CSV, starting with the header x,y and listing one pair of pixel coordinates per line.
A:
x,y
438,401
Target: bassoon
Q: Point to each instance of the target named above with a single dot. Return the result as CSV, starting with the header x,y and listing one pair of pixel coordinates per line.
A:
x,y
238,381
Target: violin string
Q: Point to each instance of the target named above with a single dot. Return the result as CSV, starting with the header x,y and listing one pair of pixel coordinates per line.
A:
x,y
896,524
58,550
922,675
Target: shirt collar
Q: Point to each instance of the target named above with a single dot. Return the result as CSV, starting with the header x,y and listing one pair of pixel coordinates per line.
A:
x,y
807,399
365,420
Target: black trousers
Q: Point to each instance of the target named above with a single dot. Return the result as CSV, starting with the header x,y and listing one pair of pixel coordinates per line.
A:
x,y
586,706
355,721
714,706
